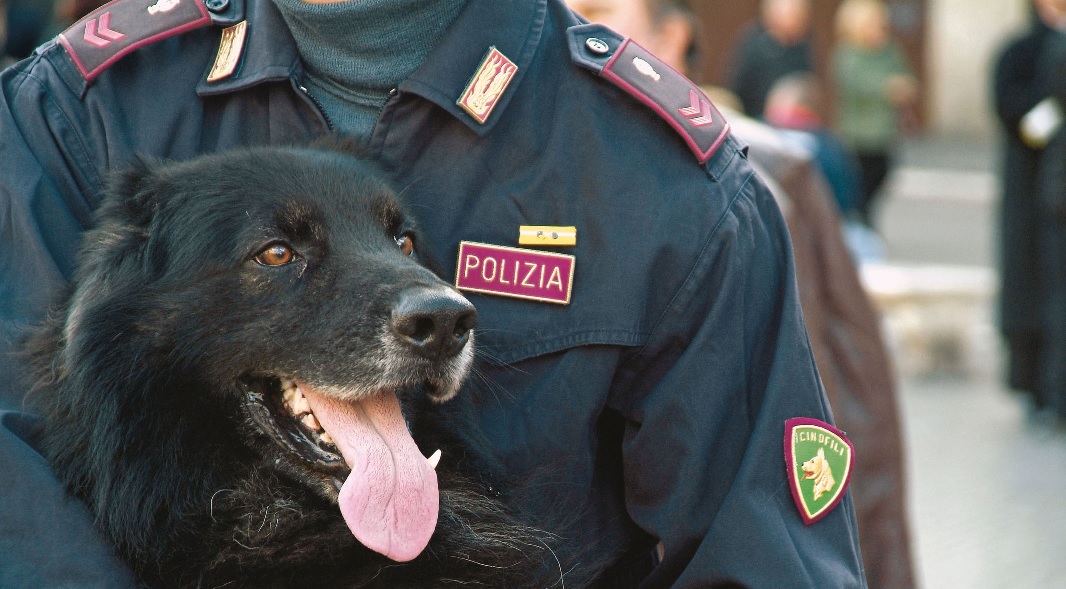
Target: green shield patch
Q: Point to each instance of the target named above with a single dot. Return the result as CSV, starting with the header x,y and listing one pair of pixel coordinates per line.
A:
x,y
819,459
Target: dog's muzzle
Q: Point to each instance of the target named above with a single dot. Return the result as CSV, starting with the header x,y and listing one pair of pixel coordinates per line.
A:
x,y
435,323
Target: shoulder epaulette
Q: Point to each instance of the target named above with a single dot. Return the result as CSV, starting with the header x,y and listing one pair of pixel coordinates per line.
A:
x,y
115,29
672,96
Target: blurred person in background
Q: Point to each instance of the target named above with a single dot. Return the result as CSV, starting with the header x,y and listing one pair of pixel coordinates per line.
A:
x,y
663,27
1044,123
777,45
67,12
795,106
875,92
1019,95
22,23
843,326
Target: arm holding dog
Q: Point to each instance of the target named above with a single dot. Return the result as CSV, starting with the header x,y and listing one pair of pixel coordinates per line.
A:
x,y
678,392
718,406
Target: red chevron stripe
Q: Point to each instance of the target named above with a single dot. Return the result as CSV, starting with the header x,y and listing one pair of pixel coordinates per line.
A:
x,y
697,106
692,110
102,35
105,28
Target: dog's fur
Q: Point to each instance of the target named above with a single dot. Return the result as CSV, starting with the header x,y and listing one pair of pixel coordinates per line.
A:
x,y
817,469
156,371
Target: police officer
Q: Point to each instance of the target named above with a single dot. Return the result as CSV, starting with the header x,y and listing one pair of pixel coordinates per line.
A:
x,y
665,379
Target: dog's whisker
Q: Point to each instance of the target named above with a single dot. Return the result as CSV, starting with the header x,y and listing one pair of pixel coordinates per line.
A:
x,y
499,391
496,360
403,191
490,566
211,506
558,563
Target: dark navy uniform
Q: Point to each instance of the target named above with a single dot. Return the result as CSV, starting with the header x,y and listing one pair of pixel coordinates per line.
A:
x,y
656,398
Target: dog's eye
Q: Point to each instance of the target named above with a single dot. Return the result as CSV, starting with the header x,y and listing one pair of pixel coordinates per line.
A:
x,y
406,243
275,254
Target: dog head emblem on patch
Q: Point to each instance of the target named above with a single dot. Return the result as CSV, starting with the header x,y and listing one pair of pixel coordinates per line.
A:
x,y
818,470
819,459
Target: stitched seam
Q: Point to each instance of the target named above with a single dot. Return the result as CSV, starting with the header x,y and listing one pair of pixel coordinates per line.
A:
x,y
79,154
699,259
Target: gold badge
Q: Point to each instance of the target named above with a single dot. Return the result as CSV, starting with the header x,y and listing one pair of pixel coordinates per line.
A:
x,y
487,85
229,52
545,235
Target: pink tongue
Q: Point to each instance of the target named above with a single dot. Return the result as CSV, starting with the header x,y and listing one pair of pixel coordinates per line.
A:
x,y
390,500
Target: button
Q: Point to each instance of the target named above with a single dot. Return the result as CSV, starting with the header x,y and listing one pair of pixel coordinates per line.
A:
x,y
597,46
216,6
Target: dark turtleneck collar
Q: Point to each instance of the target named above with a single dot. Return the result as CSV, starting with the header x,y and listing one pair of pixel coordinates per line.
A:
x,y
355,51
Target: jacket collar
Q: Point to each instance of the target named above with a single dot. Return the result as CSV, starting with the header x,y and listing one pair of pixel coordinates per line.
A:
x,y
514,27
269,53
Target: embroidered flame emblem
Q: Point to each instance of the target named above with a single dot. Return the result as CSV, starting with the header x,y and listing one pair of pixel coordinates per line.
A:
x,y
487,85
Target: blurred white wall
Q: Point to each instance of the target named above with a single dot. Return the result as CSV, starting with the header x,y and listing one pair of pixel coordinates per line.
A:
x,y
963,39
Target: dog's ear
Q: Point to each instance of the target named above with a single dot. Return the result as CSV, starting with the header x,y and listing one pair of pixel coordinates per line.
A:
x,y
132,193
123,224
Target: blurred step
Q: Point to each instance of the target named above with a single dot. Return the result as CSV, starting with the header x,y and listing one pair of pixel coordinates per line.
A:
x,y
937,318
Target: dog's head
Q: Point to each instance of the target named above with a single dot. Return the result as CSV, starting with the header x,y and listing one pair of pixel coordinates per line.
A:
x,y
282,285
816,466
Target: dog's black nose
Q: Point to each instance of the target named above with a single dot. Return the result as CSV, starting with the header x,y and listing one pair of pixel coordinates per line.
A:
x,y
435,323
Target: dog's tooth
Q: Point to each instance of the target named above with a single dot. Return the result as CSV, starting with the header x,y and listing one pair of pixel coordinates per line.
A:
x,y
326,438
287,383
300,405
311,422
434,459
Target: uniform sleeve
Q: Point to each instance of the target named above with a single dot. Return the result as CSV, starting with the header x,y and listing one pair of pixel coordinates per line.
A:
x,y
727,365
45,173
46,538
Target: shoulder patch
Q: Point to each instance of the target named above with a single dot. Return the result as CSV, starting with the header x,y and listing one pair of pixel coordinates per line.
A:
x,y
672,96
115,29
820,460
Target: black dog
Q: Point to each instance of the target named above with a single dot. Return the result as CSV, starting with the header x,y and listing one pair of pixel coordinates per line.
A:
x,y
245,380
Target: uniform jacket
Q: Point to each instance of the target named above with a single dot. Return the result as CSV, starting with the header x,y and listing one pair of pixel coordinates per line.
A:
x,y
845,333
658,396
